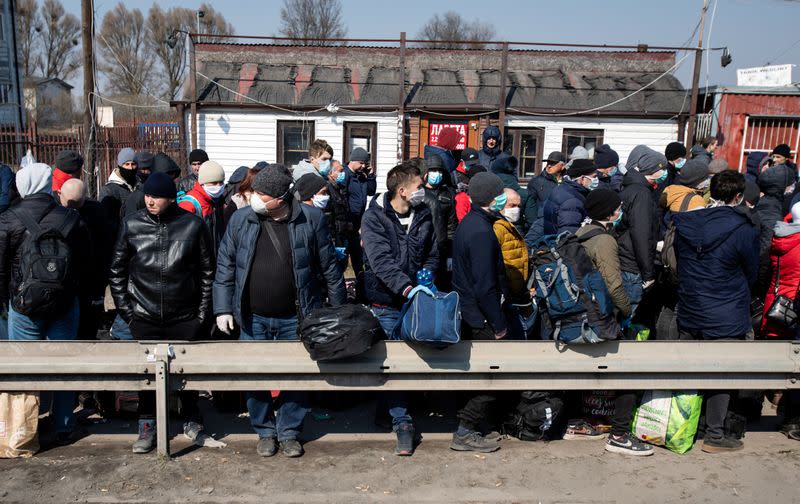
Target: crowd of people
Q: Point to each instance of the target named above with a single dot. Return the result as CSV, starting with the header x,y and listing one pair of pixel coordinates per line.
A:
x,y
687,248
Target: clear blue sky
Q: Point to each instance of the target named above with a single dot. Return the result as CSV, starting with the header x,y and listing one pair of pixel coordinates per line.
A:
x,y
756,31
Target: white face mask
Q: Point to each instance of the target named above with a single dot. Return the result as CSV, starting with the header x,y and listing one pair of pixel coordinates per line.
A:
x,y
512,214
320,200
258,205
214,191
417,197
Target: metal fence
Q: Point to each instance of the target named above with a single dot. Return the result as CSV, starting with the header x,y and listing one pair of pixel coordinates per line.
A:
x,y
473,365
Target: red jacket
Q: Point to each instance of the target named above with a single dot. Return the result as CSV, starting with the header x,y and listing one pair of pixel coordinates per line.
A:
x,y
199,194
785,245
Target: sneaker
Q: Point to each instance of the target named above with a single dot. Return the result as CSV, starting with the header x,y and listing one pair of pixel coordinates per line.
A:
x,y
405,440
147,437
292,448
193,431
628,444
473,441
726,444
791,425
581,429
267,446
493,436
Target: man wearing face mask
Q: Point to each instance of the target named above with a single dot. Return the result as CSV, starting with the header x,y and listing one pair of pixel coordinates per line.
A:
x,y
121,183
608,172
515,258
564,210
687,192
144,165
339,222
318,162
206,199
540,187
270,264
399,242
313,191
675,153
440,199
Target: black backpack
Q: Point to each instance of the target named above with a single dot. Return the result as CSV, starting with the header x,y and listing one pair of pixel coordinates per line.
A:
x,y
340,332
534,417
48,286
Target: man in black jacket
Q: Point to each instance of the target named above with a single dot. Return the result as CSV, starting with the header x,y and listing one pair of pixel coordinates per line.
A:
x,y
479,278
440,198
34,183
163,296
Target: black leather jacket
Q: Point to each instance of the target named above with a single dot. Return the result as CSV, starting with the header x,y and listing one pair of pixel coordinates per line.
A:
x,y
163,267
442,203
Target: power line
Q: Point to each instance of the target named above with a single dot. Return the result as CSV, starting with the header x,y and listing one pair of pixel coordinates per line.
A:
x,y
782,52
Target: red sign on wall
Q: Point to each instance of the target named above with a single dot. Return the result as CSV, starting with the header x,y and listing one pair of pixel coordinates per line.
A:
x,y
434,128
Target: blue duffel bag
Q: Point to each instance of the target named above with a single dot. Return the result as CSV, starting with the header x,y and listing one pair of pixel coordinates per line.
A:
x,y
430,319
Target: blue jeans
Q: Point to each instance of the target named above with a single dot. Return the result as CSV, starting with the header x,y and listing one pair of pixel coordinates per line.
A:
x,y
65,327
287,422
396,401
632,283
120,330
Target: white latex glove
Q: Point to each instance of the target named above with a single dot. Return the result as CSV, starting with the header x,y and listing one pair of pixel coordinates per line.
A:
x,y
225,323
660,246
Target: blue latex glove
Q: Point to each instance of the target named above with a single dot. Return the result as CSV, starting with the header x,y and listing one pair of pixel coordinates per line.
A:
x,y
419,288
341,253
424,277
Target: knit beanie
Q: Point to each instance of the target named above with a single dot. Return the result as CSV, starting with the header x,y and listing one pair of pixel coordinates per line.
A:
x,y
485,187
783,150
144,160
646,160
675,150
717,166
581,167
692,173
125,155
751,192
308,185
601,203
260,165
274,180
198,155
69,161
164,164
210,172
160,185
35,178
605,156
359,154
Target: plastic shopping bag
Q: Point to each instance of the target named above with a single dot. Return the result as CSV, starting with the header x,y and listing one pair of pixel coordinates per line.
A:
x,y
667,418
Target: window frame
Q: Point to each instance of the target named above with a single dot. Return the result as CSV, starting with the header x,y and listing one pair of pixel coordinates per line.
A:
x,y
282,125
515,135
599,134
347,148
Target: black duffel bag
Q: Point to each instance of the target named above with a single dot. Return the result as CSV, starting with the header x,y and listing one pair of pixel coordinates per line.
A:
x,y
337,333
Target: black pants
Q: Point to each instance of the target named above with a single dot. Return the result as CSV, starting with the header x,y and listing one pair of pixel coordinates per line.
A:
x,y
623,412
187,330
476,409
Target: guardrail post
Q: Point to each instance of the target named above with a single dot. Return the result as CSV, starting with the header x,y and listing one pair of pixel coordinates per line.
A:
x,y
163,353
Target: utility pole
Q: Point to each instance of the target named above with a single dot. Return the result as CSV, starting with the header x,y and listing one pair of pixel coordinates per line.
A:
x,y
698,58
87,19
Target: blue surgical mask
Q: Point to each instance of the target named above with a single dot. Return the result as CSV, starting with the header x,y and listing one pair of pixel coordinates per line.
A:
x,y
325,167
679,163
499,202
594,183
662,177
434,178
616,221
613,171
341,178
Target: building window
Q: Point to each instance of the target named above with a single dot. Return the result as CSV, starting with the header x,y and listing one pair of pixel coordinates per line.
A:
x,y
294,139
526,146
5,93
360,134
588,139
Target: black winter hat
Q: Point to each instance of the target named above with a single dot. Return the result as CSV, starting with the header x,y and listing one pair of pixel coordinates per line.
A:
x,y
692,173
144,160
556,157
434,162
484,187
602,203
783,150
274,180
69,161
675,150
605,156
476,169
359,154
581,167
308,185
751,192
160,185
164,164
469,156
198,155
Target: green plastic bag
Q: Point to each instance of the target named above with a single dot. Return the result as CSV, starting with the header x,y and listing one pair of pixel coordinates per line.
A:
x,y
667,418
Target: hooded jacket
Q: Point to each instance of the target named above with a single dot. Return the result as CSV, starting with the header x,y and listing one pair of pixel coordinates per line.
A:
x,y
515,258
302,168
673,198
394,255
360,186
717,253
638,232
701,154
565,209
540,188
754,165
487,156
772,207
441,201
786,248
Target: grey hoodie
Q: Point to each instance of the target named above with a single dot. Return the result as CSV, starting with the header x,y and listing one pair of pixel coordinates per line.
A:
x,y
302,168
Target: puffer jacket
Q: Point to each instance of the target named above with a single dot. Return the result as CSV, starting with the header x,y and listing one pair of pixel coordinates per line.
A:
x,y
673,197
565,209
338,214
539,189
163,267
49,215
393,256
486,156
441,201
506,169
604,252
515,258
638,232
313,257
771,208
786,248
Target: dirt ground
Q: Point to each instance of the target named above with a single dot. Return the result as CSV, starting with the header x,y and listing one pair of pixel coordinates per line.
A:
x,y
343,467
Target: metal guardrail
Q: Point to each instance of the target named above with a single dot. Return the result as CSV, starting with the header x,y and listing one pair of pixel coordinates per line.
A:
x,y
470,365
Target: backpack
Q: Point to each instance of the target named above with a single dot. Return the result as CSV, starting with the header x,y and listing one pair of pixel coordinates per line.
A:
x,y
534,416
430,319
47,287
578,305
182,196
668,258
339,332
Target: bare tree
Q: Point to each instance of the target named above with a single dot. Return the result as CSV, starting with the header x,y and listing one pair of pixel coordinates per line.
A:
x,y
29,23
170,50
312,19
450,31
127,62
59,35
212,23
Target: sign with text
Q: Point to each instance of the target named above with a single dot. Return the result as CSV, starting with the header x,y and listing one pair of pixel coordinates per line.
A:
x,y
435,128
773,75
